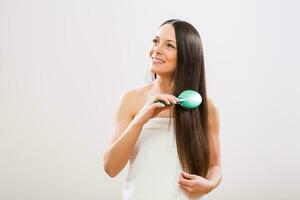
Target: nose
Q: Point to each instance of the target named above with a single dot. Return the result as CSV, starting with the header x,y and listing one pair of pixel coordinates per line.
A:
x,y
157,49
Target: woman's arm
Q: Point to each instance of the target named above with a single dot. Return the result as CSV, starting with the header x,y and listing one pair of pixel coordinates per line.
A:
x,y
214,176
214,172
124,138
128,127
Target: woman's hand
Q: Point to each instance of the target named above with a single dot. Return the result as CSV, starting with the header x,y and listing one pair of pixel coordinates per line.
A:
x,y
152,108
193,185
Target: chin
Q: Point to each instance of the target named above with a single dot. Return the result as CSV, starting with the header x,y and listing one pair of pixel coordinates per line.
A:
x,y
156,69
161,68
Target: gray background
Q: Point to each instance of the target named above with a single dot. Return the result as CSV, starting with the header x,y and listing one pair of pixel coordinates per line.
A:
x,y
64,65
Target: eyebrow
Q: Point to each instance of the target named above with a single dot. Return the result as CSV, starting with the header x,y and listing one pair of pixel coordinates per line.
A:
x,y
167,40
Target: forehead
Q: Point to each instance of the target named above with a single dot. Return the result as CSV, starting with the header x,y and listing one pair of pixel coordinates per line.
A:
x,y
166,32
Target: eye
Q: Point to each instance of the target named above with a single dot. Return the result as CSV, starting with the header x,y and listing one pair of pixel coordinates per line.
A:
x,y
154,41
170,45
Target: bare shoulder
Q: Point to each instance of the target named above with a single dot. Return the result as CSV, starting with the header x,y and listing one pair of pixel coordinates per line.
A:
x,y
212,107
129,103
132,99
213,116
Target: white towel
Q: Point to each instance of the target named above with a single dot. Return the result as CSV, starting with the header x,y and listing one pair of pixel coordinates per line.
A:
x,y
154,167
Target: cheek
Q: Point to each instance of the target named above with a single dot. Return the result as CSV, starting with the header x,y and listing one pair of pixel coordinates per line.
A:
x,y
174,58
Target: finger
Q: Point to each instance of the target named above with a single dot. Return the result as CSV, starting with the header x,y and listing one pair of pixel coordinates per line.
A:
x,y
187,190
159,105
174,99
185,182
165,99
171,98
162,98
160,101
188,176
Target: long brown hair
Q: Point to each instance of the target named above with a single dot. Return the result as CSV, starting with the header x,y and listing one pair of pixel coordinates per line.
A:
x,y
190,125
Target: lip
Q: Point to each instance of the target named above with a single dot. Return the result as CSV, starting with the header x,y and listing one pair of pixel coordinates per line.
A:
x,y
158,60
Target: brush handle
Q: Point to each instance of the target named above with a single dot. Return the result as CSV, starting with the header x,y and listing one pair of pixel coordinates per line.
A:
x,y
161,101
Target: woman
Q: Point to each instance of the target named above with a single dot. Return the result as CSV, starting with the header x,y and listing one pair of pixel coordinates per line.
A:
x,y
182,162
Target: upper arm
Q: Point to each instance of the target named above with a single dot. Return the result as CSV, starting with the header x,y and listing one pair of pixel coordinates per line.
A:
x,y
213,134
123,115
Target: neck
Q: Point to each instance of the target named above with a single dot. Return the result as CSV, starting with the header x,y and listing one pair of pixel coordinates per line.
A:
x,y
163,85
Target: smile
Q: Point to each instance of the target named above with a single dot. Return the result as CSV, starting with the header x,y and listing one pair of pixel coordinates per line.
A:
x,y
157,60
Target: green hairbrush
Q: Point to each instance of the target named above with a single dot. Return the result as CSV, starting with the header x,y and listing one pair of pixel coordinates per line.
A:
x,y
188,99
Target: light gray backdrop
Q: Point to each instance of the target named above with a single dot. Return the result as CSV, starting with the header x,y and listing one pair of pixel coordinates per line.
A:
x,y
65,63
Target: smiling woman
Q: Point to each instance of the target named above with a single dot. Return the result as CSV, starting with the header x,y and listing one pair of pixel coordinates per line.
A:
x,y
173,152
164,41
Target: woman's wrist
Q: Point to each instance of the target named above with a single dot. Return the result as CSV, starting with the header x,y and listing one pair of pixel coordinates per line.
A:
x,y
138,122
